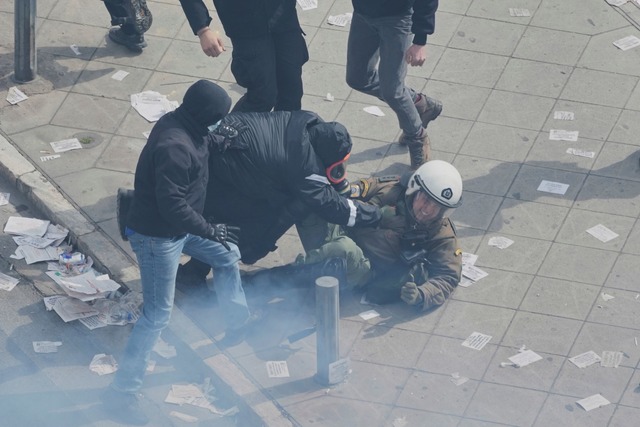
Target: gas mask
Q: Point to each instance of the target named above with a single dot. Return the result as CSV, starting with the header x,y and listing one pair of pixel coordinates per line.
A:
x,y
337,176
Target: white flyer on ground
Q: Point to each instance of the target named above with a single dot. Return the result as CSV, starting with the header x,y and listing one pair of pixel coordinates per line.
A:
x,y
553,187
585,359
277,369
606,296
75,49
119,75
152,105
468,258
164,349
308,4
46,346
4,198
92,322
465,283
369,314
519,12
103,364
374,110
340,20
473,273
477,340
7,283
329,97
563,135
36,242
15,95
593,402
563,115
611,359
184,417
602,233
525,358
70,309
457,379
500,242
627,43
49,157
66,145
581,153
21,226
616,2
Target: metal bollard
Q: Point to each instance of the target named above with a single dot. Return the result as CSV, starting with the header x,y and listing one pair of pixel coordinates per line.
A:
x,y
327,334
25,41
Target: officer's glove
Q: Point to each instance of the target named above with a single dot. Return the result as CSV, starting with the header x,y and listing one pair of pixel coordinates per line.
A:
x,y
411,294
223,233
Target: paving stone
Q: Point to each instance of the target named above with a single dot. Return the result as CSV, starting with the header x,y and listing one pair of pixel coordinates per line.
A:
x,y
542,333
497,142
610,195
562,410
584,382
591,86
434,392
524,256
574,229
577,263
469,68
488,36
533,78
592,18
446,356
599,338
565,49
560,298
538,375
461,319
505,404
525,185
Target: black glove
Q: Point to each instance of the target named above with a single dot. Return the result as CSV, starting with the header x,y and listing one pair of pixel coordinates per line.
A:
x,y
223,233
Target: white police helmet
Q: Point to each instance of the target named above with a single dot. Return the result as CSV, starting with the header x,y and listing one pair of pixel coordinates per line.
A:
x,y
440,180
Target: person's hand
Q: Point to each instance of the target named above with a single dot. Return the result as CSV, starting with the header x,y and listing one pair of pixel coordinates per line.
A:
x,y
416,55
224,234
411,294
210,42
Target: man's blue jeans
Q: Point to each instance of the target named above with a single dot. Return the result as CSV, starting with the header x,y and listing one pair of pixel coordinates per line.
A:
x,y
385,39
158,259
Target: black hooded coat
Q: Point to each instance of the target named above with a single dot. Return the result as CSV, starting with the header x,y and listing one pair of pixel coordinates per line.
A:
x,y
272,174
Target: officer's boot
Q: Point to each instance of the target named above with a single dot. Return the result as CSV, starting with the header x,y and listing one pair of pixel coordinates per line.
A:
x,y
299,275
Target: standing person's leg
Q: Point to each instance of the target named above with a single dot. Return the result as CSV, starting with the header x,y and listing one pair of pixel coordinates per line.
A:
x,y
291,54
254,68
228,285
158,261
362,57
134,19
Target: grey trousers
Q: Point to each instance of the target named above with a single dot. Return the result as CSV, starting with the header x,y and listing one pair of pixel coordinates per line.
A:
x,y
385,40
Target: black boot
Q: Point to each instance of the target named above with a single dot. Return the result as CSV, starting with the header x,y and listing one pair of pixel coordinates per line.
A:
x,y
299,275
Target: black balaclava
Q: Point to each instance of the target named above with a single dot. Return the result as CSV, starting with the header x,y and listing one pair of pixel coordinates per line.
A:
x,y
330,141
203,105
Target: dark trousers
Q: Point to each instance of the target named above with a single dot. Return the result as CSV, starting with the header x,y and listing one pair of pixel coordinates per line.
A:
x,y
270,69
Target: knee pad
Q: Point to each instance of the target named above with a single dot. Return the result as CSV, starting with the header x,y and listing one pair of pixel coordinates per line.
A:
x,y
132,13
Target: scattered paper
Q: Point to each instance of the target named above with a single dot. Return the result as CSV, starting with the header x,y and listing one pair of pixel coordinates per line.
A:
x,y
339,370
308,4
329,97
477,340
49,302
183,417
607,297
32,255
593,402
602,233
277,369
49,157
525,358
70,309
500,242
152,105
473,273
340,20
21,226
15,95
66,145
519,12
553,187
376,111
151,365
563,135
93,322
564,115
581,153
469,259
191,394
46,346
34,241
7,283
585,359
616,2
75,49
400,422
627,43
465,283
369,314
103,364
611,359
120,75
164,349
457,379
4,198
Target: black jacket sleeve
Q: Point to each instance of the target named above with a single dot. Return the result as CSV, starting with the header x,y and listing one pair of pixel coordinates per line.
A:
x,y
197,14
423,20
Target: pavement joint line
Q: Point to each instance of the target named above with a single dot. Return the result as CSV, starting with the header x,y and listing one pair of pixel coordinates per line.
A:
x,y
53,204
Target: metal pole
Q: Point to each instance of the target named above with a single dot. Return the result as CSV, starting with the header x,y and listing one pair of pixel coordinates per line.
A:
x,y
327,336
25,41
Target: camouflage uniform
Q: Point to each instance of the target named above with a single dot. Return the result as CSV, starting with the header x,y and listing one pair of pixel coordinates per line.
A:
x,y
398,251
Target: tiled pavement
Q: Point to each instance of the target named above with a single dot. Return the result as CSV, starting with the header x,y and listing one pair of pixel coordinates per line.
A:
x,y
500,79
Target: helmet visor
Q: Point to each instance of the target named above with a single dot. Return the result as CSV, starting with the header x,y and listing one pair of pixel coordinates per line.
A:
x,y
337,172
426,209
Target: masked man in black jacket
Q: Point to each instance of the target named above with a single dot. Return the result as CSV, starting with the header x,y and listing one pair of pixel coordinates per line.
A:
x,y
270,171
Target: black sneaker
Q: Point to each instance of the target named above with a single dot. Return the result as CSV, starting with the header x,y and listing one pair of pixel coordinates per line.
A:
x,y
235,336
124,407
133,42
